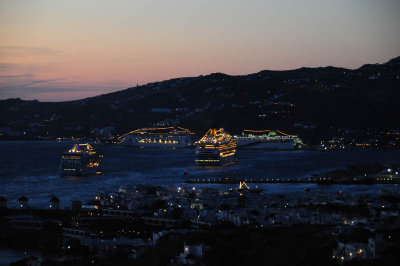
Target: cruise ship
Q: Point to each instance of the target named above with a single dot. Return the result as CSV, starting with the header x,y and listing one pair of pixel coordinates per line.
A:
x,y
82,159
215,148
268,140
167,137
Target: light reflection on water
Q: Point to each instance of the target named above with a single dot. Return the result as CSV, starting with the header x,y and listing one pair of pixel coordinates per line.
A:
x,y
31,169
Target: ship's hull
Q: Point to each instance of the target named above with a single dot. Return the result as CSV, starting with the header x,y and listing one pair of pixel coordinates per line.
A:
x,y
157,145
215,154
273,145
67,170
157,141
79,165
203,160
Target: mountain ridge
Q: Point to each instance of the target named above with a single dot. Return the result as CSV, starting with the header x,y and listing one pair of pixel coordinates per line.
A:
x,y
324,97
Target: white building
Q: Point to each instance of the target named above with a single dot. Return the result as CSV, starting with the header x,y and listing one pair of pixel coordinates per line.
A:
x,y
355,250
191,255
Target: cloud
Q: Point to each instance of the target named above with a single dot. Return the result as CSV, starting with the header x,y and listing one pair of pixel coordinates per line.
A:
x,y
41,81
40,89
23,83
13,69
27,51
55,93
7,66
17,76
55,89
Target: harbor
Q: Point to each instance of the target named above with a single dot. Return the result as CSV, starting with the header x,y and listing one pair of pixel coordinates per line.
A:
x,y
33,167
202,133
318,181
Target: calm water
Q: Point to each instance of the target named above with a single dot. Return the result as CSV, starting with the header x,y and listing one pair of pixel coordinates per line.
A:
x,y
31,169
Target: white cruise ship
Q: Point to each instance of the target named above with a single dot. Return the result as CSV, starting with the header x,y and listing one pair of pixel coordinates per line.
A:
x,y
167,137
268,140
215,148
80,160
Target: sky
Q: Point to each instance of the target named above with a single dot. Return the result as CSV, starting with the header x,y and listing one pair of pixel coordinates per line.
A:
x,y
66,50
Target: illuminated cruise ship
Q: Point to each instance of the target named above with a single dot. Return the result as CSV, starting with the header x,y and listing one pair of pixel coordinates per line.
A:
x,y
215,148
82,159
172,137
268,140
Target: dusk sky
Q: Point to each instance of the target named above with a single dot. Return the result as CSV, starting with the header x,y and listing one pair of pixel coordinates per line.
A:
x,y
64,50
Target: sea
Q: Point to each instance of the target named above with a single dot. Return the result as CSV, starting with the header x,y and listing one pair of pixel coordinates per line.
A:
x,y
31,169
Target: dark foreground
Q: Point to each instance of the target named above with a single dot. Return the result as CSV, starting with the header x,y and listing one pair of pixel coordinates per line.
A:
x,y
221,245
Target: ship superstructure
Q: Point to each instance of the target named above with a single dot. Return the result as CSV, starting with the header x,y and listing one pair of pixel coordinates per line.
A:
x,y
158,137
215,148
81,159
269,140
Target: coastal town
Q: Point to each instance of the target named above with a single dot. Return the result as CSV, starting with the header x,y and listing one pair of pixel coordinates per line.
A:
x,y
135,224
203,133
